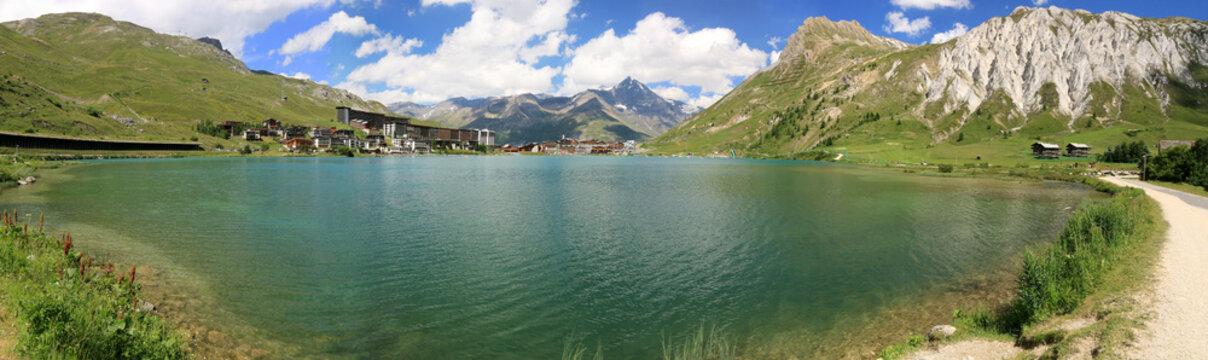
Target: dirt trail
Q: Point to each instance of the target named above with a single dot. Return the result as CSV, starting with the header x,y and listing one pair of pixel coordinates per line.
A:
x,y
1179,327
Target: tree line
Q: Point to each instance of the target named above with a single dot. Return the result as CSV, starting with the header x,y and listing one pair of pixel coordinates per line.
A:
x,y
1181,164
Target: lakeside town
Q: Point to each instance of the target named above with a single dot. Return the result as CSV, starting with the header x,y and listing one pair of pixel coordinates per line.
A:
x,y
376,133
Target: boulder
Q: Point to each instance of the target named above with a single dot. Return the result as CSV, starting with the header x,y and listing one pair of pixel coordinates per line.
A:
x,y
941,331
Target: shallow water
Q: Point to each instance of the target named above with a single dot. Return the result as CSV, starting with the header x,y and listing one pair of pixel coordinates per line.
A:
x,y
513,257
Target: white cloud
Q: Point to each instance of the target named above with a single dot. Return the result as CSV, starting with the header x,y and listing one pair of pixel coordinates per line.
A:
x,y
932,4
495,53
958,29
230,21
1039,2
774,41
899,23
389,44
671,93
297,75
704,101
661,48
314,39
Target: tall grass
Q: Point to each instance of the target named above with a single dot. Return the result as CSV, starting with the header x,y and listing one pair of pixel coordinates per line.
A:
x,y
703,343
700,345
71,306
1056,280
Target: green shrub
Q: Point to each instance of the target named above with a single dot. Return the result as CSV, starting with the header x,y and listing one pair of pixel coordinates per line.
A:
x,y
344,151
945,168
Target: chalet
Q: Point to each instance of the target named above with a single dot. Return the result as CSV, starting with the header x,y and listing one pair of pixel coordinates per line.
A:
x,y
230,126
530,147
1078,150
294,132
1045,150
271,124
360,124
320,131
253,134
299,144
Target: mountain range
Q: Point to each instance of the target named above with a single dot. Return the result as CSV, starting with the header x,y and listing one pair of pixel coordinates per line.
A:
x,y
627,111
1047,74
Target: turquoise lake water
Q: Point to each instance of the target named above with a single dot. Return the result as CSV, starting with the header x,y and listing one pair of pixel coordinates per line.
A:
x,y
513,257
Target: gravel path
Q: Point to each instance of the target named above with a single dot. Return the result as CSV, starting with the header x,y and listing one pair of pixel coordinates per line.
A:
x,y
1179,328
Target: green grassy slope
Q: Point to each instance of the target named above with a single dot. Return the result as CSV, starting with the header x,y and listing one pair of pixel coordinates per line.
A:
x,y
852,97
87,75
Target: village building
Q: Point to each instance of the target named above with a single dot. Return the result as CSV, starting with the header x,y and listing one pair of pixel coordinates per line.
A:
x,y
253,134
294,132
297,144
1045,150
1166,144
375,141
346,115
320,131
344,134
1078,150
230,126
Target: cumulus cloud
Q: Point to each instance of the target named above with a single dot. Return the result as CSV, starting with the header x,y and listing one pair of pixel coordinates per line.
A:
x,y
297,75
663,49
932,4
230,21
958,29
316,37
1039,2
389,44
898,22
672,93
495,53
704,101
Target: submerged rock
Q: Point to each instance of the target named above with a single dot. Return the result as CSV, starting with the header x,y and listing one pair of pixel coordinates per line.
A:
x,y
941,331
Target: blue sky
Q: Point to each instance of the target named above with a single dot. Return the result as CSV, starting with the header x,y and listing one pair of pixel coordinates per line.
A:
x,y
429,50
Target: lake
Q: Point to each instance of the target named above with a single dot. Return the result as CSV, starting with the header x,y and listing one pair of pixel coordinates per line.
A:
x,y
513,257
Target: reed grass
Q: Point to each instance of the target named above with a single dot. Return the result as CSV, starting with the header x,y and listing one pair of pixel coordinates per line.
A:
x,y
66,308
702,344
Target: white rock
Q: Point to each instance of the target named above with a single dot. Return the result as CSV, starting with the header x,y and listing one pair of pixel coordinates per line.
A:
x,y
1071,49
941,331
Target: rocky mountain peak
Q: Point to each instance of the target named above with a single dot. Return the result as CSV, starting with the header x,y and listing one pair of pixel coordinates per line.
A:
x,y
631,87
1069,50
816,34
213,42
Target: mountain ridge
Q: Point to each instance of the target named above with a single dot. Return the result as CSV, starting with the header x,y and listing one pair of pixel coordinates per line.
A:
x,y
627,111
1037,73
88,75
